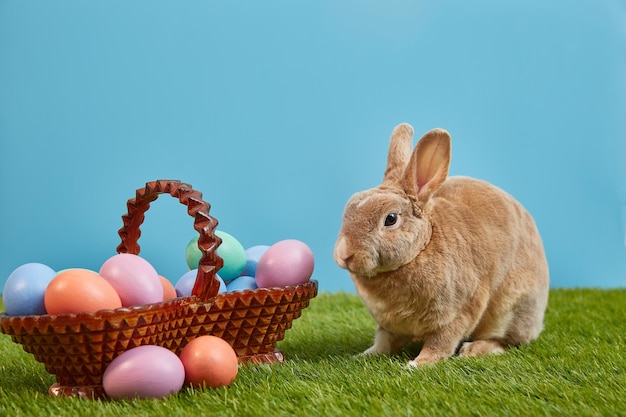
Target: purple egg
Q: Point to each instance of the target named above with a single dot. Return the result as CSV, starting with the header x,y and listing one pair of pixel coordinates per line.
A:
x,y
185,284
288,262
134,279
144,372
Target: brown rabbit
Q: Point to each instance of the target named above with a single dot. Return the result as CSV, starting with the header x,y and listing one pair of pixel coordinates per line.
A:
x,y
442,260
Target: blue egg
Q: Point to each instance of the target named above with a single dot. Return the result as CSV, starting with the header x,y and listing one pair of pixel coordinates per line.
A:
x,y
24,290
253,255
185,284
222,284
241,283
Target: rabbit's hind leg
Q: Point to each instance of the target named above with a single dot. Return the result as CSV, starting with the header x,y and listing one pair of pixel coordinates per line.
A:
x,y
521,325
481,347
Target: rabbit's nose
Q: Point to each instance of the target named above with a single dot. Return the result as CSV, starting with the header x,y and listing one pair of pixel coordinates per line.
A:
x,y
343,262
342,257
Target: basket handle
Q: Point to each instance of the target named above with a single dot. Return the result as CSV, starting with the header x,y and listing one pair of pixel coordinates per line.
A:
x,y
206,285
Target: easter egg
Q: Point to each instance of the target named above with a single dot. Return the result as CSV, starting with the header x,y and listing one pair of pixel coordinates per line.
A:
x,y
241,283
233,254
143,372
209,361
24,290
288,262
192,253
185,284
253,255
230,250
80,290
169,291
134,279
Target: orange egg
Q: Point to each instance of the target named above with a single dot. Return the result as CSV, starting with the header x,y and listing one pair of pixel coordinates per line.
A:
x,y
209,361
169,291
80,290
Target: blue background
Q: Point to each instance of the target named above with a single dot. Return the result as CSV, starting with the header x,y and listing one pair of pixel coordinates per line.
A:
x,y
279,110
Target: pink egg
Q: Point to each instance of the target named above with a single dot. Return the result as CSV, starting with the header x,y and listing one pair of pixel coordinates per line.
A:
x,y
288,262
144,372
134,279
78,291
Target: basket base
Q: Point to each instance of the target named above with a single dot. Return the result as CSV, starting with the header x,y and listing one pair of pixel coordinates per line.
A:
x,y
91,392
95,392
263,358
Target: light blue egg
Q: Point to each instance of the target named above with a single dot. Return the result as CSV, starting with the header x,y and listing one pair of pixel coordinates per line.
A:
x,y
23,293
222,284
253,255
241,283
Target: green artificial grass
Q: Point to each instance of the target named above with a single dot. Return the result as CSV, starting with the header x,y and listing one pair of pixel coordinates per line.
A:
x,y
577,367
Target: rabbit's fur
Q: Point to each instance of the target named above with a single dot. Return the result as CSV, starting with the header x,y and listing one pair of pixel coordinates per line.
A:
x,y
463,261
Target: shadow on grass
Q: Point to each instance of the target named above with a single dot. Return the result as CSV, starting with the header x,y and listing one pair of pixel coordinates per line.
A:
x,y
334,326
20,371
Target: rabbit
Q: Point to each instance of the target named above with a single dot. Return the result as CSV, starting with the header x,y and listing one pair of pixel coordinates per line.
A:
x,y
453,262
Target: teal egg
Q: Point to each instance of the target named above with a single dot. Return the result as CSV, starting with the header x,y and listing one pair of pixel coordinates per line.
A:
x,y
233,254
192,253
230,250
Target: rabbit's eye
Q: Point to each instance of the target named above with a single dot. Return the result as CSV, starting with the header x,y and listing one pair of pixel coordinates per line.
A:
x,y
391,219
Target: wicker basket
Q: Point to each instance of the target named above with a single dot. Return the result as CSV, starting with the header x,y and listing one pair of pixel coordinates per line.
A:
x,y
77,348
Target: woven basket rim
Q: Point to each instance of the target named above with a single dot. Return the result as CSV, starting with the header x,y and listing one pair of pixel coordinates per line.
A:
x,y
188,300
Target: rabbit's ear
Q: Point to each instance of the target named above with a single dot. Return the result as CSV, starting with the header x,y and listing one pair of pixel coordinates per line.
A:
x,y
399,152
429,165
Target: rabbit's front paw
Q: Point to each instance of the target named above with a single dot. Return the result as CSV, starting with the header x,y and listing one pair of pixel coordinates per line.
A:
x,y
369,352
